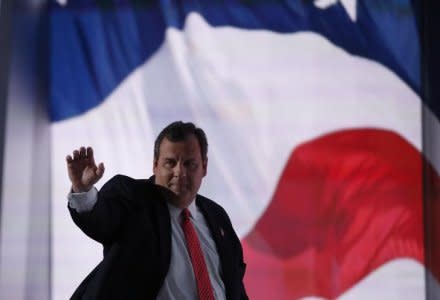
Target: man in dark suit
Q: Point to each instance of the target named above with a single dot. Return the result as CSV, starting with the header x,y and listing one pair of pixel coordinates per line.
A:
x,y
161,239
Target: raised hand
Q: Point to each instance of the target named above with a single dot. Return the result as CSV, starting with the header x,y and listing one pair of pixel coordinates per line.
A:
x,y
82,169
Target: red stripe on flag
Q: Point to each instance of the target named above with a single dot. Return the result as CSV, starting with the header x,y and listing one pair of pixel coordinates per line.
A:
x,y
345,204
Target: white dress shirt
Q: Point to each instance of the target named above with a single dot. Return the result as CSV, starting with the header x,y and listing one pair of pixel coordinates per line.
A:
x,y
179,283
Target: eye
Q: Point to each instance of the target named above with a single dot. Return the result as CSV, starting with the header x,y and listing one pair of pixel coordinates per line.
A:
x,y
169,163
191,164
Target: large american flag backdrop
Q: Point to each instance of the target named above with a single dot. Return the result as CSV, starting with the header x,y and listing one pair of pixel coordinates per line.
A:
x,y
313,113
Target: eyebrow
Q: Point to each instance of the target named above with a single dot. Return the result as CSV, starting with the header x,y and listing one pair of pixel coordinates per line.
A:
x,y
174,159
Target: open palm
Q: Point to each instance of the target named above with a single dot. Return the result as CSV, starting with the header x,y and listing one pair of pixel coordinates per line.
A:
x,y
82,169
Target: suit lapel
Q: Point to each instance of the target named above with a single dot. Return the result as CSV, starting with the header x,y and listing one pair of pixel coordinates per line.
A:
x,y
220,237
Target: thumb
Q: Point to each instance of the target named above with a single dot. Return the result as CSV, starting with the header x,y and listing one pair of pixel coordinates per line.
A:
x,y
100,170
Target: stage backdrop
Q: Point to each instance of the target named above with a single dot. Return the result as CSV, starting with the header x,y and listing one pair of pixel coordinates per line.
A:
x,y
314,120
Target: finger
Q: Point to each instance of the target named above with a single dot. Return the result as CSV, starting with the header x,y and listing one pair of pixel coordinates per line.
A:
x,y
90,155
82,152
89,151
75,154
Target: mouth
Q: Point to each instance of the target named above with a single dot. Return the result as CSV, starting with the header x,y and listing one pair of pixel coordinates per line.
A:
x,y
178,186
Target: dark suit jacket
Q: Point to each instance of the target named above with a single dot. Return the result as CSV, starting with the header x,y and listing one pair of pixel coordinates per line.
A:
x,y
132,221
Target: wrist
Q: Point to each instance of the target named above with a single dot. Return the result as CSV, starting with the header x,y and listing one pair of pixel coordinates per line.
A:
x,y
80,189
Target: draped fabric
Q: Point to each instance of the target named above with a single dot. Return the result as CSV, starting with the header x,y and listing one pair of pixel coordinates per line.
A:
x,y
314,120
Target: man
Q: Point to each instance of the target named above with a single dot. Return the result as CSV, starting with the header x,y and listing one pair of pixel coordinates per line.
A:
x,y
161,239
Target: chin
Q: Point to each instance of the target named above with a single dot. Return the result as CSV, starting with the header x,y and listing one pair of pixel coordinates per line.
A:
x,y
178,193
184,196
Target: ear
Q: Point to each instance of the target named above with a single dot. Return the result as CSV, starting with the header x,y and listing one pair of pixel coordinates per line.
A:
x,y
154,166
205,167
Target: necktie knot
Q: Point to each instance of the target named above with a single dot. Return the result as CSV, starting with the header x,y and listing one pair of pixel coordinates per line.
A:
x,y
186,214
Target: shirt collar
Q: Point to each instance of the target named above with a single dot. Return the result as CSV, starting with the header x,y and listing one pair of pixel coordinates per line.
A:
x,y
176,211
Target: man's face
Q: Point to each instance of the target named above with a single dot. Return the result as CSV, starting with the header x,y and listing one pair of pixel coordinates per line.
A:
x,y
180,168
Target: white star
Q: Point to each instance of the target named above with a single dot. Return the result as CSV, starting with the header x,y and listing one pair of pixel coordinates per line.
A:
x,y
349,5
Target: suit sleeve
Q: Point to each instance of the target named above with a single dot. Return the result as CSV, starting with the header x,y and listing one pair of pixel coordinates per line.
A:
x,y
115,203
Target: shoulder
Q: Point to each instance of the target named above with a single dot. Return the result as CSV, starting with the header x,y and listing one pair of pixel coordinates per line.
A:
x,y
212,208
208,203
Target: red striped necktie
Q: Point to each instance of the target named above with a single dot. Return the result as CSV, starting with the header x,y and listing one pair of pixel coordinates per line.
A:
x,y
204,286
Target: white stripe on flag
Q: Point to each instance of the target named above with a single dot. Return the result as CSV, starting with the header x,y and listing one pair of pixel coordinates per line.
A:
x,y
256,93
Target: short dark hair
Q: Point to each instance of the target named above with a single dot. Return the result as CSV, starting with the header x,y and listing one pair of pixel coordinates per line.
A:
x,y
179,131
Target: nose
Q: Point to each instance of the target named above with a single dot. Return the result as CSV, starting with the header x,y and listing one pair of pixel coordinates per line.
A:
x,y
179,170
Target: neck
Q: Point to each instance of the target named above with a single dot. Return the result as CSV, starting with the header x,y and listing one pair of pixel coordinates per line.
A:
x,y
180,203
